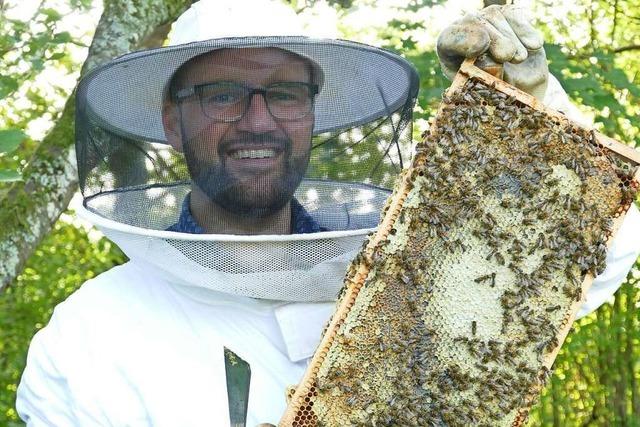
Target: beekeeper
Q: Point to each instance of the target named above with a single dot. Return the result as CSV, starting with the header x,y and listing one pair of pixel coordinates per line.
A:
x,y
240,176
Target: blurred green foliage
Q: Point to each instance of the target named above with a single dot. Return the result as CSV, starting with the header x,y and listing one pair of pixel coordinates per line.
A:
x,y
596,379
593,50
37,53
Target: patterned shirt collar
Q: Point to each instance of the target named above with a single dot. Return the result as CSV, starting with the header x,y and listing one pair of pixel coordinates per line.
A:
x,y
301,221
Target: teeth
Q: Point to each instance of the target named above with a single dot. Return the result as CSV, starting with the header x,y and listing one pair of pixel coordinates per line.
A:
x,y
253,154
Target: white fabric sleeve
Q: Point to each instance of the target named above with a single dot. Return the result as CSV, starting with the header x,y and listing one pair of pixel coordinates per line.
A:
x,y
44,395
622,254
625,247
556,98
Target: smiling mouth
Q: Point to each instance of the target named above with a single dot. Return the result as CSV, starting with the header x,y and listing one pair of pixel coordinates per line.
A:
x,y
261,153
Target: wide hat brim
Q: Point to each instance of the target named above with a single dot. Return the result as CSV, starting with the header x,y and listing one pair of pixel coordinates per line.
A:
x,y
360,83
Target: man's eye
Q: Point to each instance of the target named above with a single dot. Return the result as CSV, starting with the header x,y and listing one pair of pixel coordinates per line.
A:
x,y
222,98
284,96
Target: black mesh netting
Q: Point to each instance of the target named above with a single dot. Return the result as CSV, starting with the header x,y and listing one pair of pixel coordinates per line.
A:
x,y
236,126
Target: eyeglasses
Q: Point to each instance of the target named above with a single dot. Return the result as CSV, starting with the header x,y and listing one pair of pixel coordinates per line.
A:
x,y
229,101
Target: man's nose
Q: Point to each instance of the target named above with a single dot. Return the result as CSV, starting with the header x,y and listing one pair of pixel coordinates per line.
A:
x,y
257,118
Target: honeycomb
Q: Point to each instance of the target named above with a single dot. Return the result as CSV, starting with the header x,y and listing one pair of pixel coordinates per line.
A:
x,y
453,312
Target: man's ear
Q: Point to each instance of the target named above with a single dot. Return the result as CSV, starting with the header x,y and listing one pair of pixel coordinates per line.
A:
x,y
171,124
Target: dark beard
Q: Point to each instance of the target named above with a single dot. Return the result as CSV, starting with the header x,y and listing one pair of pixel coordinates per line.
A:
x,y
254,196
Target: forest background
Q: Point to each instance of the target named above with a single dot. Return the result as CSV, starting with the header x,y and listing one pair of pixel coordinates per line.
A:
x,y
593,48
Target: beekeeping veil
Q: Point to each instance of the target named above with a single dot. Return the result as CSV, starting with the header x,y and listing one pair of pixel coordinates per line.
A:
x,y
252,128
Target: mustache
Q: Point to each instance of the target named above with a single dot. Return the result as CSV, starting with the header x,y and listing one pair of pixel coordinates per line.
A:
x,y
258,139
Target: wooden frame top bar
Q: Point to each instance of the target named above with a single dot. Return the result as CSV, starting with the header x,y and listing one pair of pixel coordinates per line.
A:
x,y
470,70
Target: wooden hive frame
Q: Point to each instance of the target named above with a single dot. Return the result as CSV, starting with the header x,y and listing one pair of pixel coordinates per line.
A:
x,y
301,402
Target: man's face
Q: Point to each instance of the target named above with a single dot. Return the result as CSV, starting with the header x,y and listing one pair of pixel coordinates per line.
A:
x,y
251,166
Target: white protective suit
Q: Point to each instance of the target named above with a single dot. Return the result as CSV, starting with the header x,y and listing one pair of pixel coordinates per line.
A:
x,y
130,348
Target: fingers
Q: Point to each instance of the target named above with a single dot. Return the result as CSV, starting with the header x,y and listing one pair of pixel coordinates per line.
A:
x,y
500,47
506,46
520,21
459,41
467,38
504,32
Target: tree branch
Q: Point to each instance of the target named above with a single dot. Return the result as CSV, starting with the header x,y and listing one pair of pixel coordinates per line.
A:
x,y
615,50
31,207
592,26
615,22
626,48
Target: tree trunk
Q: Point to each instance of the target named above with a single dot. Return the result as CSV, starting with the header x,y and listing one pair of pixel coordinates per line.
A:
x,y
32,206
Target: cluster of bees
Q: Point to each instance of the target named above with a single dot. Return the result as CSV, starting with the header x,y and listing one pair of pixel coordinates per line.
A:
x,y
505,212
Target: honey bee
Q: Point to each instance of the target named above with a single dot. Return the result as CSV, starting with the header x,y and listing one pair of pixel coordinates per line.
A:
x,y
351,400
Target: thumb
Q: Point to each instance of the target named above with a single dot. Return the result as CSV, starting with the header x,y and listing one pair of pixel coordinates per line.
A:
x,y
458,42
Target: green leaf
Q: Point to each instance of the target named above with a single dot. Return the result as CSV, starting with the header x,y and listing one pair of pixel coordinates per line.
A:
x,y
37,64
416,5
10,139
7,86
63,37
618,78
56,56
408,43
9,176
81,4
51,14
